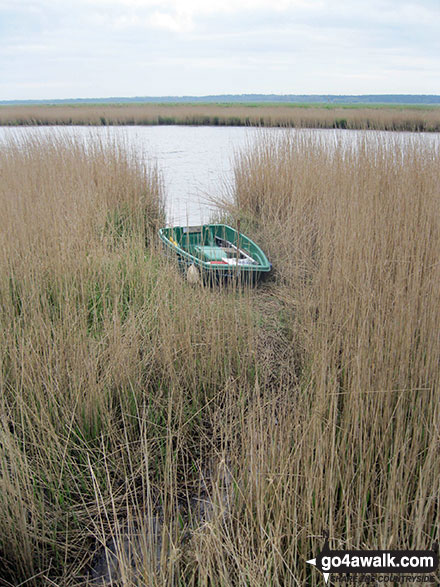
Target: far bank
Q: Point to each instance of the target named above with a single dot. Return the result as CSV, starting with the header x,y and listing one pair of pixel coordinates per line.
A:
x,y
350,116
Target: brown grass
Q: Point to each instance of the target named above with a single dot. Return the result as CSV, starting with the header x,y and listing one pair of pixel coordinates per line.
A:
x,y
355,236
307,405
378,118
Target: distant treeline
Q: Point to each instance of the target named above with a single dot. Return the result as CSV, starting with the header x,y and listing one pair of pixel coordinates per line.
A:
x,y
246,98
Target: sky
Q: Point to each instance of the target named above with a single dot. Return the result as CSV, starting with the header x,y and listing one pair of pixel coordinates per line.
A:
x,y
109,48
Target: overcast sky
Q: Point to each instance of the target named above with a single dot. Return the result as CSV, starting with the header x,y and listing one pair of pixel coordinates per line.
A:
x,y
105,48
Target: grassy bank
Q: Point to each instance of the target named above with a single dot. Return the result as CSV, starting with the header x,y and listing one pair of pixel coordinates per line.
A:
x,y
393,118
242,424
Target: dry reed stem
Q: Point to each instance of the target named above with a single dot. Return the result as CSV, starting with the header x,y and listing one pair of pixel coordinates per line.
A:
x,y
313,402
354,236
401,119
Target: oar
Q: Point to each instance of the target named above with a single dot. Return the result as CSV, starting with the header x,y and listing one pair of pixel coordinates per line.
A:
x,y
229,244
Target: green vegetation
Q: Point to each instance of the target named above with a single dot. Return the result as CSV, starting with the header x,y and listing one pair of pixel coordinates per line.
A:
x,y
247,422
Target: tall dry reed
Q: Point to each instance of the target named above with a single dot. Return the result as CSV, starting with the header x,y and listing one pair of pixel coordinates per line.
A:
x,y
354,233
385,118
68,214
204,436
113,371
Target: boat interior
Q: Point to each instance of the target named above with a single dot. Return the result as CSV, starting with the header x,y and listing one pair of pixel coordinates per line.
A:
x,y
214,244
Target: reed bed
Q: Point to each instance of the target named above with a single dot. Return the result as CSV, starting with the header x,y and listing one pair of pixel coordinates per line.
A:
x,y
400,118
205,436
354,233
114,372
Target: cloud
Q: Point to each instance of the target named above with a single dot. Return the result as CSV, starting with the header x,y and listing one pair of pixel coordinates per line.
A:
x,y
184,15
178,22
158,47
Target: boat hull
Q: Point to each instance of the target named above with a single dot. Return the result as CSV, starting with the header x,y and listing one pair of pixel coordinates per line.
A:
x,y
218,252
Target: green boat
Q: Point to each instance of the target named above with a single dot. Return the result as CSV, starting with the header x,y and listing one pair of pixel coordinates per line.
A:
x,y
215,251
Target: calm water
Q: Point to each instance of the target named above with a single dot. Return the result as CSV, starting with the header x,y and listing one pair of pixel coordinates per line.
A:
x,y
196,162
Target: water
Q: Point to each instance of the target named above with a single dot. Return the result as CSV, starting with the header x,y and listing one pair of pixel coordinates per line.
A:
x,y
196,161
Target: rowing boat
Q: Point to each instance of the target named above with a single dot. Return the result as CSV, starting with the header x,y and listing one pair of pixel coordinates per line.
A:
x,y
215,251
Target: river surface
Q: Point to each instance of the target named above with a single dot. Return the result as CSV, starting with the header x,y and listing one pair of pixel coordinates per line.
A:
x,y
196,162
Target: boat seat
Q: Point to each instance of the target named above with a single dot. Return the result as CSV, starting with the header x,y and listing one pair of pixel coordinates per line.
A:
x,y
211,253
229,250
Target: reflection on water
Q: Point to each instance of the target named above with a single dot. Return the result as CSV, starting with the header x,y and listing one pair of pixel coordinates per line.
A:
x,y
197,161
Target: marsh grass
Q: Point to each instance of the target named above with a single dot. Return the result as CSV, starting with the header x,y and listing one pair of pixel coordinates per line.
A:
x,y
413,119
128,396
354,236
111,364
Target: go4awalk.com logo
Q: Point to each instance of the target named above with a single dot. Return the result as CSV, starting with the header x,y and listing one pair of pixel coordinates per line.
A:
x,y
376,562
